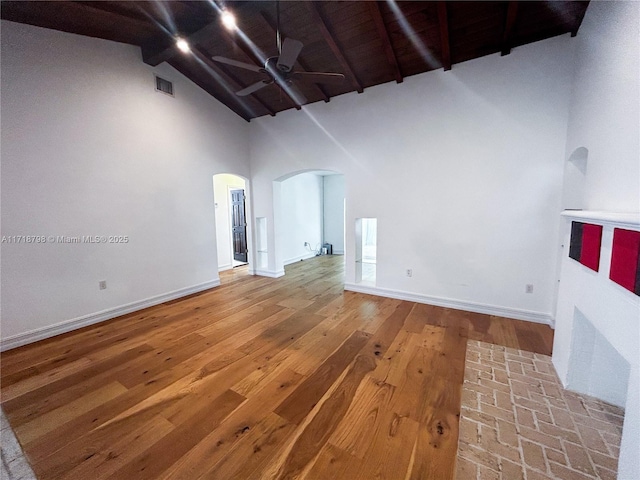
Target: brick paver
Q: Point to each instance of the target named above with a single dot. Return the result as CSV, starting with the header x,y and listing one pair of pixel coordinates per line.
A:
x,y
518,422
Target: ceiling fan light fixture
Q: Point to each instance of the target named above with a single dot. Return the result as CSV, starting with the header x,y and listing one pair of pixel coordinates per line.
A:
x,y
183,45
228,20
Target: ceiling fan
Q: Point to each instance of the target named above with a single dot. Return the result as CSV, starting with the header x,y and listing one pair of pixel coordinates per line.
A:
x,y
279,69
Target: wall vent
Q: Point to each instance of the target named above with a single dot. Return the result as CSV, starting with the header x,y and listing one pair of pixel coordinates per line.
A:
x,y
164,86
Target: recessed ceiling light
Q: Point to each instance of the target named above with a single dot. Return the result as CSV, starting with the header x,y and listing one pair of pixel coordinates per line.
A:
x,y
182,45
228,20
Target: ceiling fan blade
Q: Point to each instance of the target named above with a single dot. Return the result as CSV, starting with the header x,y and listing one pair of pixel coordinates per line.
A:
x,y
290,50
294,93
318,77
236,63
253,88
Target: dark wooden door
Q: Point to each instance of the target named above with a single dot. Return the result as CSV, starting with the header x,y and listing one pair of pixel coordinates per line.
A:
x,y
238,226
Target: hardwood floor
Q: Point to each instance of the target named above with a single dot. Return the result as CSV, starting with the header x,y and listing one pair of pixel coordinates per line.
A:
x,y
259,378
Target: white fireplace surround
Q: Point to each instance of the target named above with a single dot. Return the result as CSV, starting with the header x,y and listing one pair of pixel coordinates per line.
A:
x,y
596,347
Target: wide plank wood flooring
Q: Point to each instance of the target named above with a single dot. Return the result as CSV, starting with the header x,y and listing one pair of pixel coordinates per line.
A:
x,y
257,379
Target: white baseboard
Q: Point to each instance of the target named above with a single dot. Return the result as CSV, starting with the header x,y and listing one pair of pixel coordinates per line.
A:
x,y
338,252
508,312
306,256
268,273
222,268
85,320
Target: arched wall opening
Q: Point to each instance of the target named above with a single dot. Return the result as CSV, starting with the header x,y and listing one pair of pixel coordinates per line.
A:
x,y
309,213
232,210
574,180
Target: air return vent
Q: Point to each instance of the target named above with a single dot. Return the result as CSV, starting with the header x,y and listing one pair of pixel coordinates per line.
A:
x,y
164,86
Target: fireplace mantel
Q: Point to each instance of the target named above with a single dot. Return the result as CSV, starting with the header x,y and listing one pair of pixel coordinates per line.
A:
x,y
616,219
596,347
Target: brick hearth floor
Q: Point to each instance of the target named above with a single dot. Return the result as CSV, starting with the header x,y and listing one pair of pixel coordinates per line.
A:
x,y
517,422
14,465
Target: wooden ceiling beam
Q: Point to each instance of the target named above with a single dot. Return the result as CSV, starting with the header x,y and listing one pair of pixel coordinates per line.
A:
x,y
512,13
321,22
164,49
233,81
445,43
301,62
376,14
151,56
157,53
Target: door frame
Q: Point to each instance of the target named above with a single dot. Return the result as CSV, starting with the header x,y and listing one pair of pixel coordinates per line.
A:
x,y
235,181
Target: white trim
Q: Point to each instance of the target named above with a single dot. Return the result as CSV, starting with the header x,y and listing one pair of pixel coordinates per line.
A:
x,y
605,218
306,256
268,273
338,252
222,268
85,320
518,314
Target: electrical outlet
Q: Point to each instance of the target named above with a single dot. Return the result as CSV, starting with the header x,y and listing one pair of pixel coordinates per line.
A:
x,y
409,272
529,288
102,284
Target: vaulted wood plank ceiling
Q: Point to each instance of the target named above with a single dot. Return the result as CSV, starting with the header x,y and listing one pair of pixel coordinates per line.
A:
x,y
369,42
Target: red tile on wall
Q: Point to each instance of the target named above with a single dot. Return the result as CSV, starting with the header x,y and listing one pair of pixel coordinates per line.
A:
x,y
591,241
624,259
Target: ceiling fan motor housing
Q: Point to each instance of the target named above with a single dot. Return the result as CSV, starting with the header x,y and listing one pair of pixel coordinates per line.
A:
x,y
272,67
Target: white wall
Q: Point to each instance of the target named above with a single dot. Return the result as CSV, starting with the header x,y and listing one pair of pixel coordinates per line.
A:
x,y
605,120
222,184
301,210
462,169
605,105
89,148
333,219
